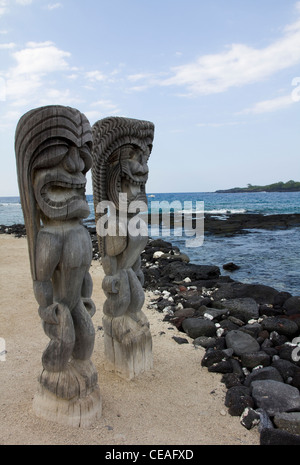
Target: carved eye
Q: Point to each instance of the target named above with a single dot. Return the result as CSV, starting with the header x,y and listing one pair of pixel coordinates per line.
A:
x,y
85,154
51,154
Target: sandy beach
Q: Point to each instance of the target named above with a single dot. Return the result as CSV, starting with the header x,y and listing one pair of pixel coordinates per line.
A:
x,y
178,402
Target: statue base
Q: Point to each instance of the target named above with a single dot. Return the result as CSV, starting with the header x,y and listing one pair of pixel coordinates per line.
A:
x,y
127,345
78,412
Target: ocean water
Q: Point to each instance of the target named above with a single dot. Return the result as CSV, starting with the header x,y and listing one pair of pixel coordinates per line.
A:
x,y
266,257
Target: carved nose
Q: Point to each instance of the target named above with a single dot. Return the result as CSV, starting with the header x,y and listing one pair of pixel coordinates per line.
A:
x,y
73,163
140,169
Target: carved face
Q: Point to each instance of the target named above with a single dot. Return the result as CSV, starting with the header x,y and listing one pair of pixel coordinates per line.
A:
x,y
59,178
134,171
128,173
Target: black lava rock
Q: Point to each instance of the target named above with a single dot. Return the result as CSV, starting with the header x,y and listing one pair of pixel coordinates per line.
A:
x,y
252,360
263,374
280,325
180,340
278,437
195,327
237,399
274,396
213,356
292,305
231,267
250,418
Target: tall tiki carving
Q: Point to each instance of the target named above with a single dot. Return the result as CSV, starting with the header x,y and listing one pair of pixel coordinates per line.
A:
x,y
121,148
53,153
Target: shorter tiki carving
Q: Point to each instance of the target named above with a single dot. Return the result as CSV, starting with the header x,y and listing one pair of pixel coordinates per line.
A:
x,y
52,147
121,149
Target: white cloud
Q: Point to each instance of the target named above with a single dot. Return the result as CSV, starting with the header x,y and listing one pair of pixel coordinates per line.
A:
x,y
238,64
72,76
93,115
3,7
138,88
103,103
58,97
297,6
53,6
4,4
148,80
267,106
40,58
20,89
104,108
7,46
34,64
24,2
9,120
95,75
139,76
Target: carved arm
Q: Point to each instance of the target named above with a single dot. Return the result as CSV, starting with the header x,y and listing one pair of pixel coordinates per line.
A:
x,y
48,249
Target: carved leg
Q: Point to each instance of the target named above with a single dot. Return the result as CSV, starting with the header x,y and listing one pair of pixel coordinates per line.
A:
x,y
83,349
62,340
84,333
127,338
69,393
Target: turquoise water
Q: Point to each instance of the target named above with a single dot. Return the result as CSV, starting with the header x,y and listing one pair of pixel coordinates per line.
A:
x,y
265,257
256,202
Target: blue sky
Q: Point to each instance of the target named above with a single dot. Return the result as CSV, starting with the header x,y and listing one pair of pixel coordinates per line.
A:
x,y
220,81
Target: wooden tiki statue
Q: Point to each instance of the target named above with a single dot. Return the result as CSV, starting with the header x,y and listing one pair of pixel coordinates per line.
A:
x,y
121,148
53,153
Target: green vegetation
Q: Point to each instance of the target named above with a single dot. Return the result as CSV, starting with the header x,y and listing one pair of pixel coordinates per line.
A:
x,y
290,186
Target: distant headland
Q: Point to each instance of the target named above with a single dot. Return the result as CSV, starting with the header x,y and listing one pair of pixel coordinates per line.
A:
x,y
290,186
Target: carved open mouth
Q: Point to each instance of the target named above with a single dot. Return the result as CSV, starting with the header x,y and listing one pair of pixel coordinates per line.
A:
x,y
136,184
58,194
135,180
133,187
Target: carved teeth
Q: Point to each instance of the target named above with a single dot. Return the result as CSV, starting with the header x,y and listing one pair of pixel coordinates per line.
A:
x,y
57,204
132,181
69,195
68,185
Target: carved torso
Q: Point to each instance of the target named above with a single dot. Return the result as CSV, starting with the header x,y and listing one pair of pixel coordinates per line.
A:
x,y
68,262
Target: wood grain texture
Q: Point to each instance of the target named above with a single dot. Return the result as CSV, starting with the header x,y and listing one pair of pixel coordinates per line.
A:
x,y
121,149
52,147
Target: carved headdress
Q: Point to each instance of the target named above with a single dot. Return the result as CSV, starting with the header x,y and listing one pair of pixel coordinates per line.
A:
x,y
111,137
34,129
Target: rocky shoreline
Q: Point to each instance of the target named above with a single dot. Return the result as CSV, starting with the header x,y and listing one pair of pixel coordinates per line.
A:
x,y
240,223
225,224
250,334
234,223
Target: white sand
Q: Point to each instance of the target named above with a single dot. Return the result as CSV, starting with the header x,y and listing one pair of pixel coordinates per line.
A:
x,y
176,403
